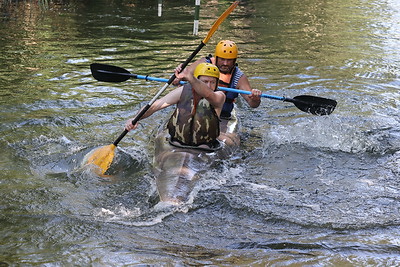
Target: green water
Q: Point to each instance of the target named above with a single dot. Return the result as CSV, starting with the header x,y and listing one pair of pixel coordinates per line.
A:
x,y
303,190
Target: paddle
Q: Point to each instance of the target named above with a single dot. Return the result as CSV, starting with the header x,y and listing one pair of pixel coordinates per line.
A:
x,y
311,104
103,156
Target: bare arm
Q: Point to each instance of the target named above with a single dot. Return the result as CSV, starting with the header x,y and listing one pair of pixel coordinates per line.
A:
x,y
191,68
254,99
169,99
216,98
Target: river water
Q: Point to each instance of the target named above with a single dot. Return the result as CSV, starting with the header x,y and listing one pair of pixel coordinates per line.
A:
x,y
303,190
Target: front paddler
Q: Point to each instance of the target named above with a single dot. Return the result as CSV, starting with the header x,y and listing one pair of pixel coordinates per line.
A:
x,y
194,124
195,121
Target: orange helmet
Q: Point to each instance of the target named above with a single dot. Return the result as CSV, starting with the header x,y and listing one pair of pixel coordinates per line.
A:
x,y
226,49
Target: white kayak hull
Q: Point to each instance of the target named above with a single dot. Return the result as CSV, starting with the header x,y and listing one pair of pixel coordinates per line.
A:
x,y
178,168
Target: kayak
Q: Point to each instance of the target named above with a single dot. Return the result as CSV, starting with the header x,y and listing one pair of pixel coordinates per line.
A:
x,y
177,168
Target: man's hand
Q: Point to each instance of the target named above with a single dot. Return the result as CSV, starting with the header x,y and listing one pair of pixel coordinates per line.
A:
x,y
129,126
255,95
177,80
185,75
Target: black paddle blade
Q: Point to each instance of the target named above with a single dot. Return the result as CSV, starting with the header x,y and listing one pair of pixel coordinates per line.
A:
x,y
108,73
314,104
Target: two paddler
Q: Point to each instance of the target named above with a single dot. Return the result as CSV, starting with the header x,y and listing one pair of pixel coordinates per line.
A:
x,y
229,75
195,121
225,58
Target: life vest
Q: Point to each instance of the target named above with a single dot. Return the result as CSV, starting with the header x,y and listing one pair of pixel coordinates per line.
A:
x,y
200,128
229,80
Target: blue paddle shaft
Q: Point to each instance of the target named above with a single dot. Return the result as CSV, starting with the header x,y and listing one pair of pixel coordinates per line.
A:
x,y
149,78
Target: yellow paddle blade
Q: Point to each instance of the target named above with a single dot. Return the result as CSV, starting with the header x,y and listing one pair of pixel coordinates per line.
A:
x,y
220,20
102,157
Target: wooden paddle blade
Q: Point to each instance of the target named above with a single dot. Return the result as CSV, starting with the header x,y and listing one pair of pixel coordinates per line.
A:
x,y
101,157
109,73
314,104
219,21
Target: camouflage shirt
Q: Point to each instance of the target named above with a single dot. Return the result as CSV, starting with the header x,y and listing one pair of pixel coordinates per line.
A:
x,y
199,128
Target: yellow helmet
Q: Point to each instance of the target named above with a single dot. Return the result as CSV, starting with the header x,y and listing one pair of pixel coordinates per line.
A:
x,y
226,49
206,69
